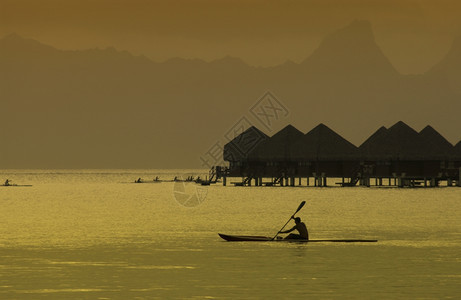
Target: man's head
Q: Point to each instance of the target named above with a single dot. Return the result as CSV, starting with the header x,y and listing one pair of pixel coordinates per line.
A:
x,y
297,220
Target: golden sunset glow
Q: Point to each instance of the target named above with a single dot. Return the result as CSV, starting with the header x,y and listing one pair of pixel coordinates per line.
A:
x,y
413,34
230,149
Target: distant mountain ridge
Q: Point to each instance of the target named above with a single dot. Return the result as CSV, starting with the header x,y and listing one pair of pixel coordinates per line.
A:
x,y
109,108
448,70
357,50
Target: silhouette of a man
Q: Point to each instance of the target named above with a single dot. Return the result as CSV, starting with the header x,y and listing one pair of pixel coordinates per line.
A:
x,y
301,228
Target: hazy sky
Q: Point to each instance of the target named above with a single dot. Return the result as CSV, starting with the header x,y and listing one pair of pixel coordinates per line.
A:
x,y
413,34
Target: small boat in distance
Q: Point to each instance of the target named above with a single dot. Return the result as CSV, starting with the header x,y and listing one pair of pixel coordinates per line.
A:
x,y
8,183
175,179
155,180
249,238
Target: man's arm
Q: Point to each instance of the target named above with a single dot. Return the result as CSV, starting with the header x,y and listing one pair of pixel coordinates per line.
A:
x,y
289,230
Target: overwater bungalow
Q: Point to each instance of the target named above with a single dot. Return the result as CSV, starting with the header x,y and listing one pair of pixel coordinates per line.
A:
x,y
402,153
322,153
237,150
399,154
273,157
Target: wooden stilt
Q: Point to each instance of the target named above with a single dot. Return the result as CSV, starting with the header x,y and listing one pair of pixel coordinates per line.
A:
x,y
459,175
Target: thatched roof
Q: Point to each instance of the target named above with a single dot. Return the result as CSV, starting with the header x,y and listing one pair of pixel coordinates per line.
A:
x,y
278,147
239,148
366,149
399,142
374,137
443,147
323,144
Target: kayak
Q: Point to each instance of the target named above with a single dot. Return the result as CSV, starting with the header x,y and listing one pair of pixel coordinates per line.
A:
x,y
252,238
153,181
16,185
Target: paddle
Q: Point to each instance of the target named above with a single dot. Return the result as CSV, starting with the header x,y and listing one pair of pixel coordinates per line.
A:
x,y
299,208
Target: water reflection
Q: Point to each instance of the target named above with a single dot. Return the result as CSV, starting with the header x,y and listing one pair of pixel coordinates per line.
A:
x,y
89,235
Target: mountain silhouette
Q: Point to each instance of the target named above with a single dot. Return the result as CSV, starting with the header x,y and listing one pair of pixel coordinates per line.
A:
x,y
14,46
351,51
448,71
108,108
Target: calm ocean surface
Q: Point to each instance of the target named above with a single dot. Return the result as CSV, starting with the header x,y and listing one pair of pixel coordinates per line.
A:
x,y
92,234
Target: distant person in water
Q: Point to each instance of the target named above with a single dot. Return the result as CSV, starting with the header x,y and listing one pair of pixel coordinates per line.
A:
x,y
139,180
301,228
7,182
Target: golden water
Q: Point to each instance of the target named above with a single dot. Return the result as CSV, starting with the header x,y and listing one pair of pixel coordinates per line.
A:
x,y
92,234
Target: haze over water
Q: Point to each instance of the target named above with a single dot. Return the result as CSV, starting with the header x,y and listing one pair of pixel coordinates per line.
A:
x,y
93,234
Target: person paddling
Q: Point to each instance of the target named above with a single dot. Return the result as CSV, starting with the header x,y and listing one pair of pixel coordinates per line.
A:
x,y
7,182
301,228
